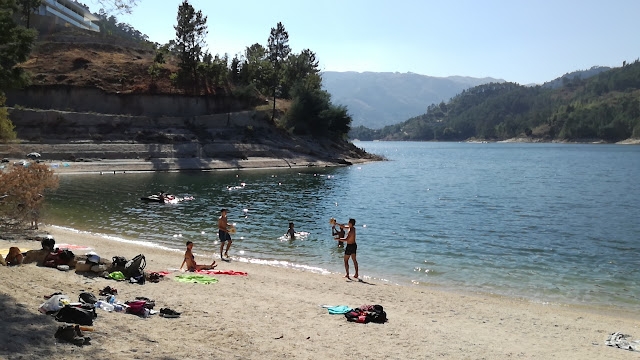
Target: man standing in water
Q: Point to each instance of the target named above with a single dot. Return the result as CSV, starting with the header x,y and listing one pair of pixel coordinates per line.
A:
x,y
223,234
350,250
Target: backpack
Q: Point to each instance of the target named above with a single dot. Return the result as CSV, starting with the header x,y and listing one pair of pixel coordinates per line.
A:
x,y
135,267
119,263
76,315
65,256
357,316
87,297
377,314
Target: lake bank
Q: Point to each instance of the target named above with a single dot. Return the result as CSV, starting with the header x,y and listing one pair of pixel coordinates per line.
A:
x,y
275,312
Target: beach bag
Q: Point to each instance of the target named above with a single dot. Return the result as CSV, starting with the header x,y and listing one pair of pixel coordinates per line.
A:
x,y
135,267
76,315
137,307
377,314
87,297
119,263
357,316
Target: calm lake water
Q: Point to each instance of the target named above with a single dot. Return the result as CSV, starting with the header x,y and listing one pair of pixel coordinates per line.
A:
x,y
548,222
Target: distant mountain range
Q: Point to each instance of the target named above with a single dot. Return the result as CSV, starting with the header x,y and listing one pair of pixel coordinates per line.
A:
x,y
378,99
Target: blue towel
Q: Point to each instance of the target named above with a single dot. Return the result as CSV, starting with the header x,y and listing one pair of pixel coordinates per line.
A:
x,y
340,309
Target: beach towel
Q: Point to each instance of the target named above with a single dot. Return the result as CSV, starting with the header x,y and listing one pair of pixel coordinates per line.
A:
x,y
340,309
117,275
621,341
220,272
72,247
200,279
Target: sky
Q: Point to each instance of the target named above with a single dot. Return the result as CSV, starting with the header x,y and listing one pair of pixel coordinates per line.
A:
x,y
524,41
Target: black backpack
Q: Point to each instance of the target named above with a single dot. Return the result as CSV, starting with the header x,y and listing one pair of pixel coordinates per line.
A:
x,y
377,315
66,256
76,315
135,267
119,263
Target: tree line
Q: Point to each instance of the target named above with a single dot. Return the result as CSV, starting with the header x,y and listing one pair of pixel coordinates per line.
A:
x,y
272,71
605,106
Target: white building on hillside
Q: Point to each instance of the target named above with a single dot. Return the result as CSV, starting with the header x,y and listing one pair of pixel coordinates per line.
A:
x,y
68,11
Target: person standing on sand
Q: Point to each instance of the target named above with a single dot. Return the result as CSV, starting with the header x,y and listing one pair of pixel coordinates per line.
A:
x,y
190,260
350,249
223,234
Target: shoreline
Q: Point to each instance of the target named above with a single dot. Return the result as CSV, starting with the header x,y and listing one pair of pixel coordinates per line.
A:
x,y
276,312
388,280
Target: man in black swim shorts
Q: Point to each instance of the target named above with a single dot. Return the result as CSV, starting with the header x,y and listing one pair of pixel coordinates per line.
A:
x,y
223,234
350,250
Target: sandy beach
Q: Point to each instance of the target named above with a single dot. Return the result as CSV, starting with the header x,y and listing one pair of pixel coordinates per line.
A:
x,y
276,313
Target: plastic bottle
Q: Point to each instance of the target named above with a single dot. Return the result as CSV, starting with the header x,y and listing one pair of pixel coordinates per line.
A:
x,y
112,299
104,305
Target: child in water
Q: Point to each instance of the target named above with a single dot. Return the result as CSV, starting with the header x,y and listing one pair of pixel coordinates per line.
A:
x,y
291,233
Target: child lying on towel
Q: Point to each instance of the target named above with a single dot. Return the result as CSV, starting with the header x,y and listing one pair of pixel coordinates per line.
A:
x,y
189,259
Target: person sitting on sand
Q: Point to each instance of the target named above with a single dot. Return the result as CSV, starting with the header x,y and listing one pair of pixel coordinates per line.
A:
x,y
190,260
291,233
350,250
339,232
14,257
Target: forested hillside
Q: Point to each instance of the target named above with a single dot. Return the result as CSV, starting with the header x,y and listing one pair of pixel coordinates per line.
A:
x,y
605,106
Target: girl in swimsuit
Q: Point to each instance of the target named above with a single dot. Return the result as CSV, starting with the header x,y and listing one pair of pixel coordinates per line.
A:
x,y
190,260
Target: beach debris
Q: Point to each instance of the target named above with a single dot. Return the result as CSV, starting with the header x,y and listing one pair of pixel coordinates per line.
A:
x,y
620,340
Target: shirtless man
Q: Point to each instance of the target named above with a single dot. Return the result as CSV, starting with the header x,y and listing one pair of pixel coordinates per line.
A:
x,y
223,234
190,260
350,249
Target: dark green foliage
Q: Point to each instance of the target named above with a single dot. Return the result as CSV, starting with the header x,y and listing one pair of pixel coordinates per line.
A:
x,y
15,46
27,7
191,31
605,106
312,113
278,50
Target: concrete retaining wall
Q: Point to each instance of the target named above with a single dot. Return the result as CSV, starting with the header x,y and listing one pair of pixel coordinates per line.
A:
x,y
75,99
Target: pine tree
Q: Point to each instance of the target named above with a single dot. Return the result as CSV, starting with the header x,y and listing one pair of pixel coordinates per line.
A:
x,y
190,33
278,48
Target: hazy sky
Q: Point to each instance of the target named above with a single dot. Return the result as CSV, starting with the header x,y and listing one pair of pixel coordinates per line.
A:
x,y
525,41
